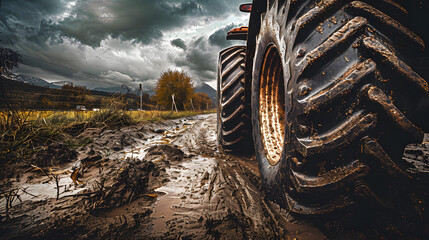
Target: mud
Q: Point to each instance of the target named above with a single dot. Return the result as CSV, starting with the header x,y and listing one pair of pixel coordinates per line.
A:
x,y
53,155
163,180
417,155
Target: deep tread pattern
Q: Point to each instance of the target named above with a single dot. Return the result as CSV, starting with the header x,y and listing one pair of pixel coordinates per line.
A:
x,y
353,88
395,63
385,21
229,102
315,13
342,86
233,122
331,180
296,207
377,96
338,137
371,147
334,41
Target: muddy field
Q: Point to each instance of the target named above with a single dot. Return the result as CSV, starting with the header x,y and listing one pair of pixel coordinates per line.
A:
x,y
163,181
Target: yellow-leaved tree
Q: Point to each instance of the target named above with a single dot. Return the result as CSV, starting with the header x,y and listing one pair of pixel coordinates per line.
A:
x,y
177,83
202,101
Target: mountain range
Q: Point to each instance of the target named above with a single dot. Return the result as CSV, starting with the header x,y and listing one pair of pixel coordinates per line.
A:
x,y
34,81
203,88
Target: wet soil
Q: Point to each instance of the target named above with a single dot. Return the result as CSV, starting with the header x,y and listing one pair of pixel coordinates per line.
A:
x,y
164,180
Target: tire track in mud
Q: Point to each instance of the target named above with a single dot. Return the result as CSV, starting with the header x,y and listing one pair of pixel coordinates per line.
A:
x,y
223,201
226,200
191,191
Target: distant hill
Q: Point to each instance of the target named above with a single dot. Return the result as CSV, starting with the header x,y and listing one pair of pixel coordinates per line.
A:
x,y
111,89
34,81
24,95
205,88
62,83
116,89
121,90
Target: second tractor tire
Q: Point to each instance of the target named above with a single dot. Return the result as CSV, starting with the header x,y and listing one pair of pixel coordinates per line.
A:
x,y
232,116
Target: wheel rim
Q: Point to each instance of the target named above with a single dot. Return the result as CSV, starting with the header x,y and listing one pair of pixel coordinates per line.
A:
x,y
272,105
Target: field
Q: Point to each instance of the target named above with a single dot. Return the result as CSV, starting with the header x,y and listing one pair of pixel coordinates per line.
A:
x,y
23,133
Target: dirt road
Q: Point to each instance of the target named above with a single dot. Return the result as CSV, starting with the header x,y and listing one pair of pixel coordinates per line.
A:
x,y
155,181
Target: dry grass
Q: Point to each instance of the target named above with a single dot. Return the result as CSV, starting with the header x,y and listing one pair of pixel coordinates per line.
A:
x,y
153,116
60,117
20,135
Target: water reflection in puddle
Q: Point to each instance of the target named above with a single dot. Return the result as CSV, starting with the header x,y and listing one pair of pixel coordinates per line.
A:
x,y
185,178
158,139
44,189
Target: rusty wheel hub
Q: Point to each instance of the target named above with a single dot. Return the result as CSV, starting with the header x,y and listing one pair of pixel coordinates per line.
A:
x,y
272,105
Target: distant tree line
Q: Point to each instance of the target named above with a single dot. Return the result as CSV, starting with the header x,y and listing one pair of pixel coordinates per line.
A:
x,y
25,96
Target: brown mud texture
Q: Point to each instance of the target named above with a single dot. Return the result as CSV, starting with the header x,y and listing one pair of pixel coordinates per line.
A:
x,y
169,180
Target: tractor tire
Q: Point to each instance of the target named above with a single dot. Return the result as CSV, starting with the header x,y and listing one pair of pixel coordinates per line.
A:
x,y
335,85
233,119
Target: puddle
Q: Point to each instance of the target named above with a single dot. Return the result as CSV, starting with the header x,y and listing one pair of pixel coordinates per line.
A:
x,y
185,179
43,189
158,139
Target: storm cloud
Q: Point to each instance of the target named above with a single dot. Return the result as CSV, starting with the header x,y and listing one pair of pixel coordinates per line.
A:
x,y
178,42
114,42
218,38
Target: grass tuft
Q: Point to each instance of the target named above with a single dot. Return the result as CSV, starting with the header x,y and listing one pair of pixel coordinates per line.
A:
x,y
111,118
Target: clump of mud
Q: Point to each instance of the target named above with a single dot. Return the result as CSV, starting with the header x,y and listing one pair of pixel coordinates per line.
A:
x,y
116,140
167,153
55,154
125,182
417,157
120,189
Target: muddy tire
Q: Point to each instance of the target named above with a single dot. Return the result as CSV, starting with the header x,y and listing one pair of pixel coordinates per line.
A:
x,y
232,116
334,91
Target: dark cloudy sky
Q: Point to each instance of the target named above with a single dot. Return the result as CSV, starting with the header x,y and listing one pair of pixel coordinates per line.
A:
x,y
103,43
